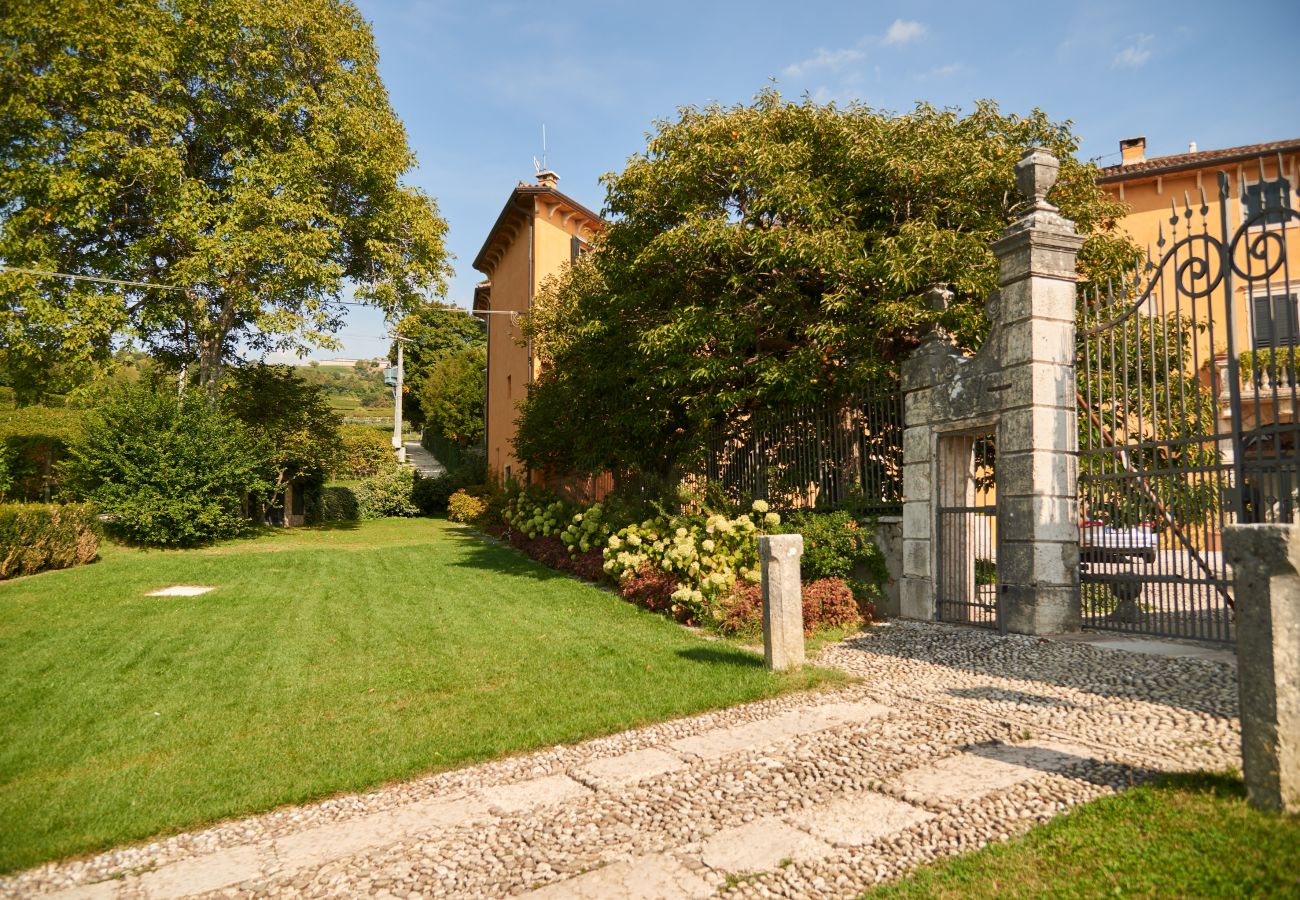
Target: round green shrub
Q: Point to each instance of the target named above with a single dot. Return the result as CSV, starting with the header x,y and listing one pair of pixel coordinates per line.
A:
x,y
166,470
387,494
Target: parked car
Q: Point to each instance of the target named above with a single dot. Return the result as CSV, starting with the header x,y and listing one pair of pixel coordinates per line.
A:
x,y
1105,544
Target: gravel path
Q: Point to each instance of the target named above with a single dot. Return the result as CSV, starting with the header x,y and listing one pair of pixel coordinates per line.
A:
x,y
953,738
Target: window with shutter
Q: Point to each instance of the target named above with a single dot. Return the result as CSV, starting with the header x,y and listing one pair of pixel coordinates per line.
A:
x,y
1262,195
1276,320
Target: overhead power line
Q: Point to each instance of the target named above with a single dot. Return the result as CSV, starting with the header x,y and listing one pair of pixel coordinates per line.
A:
x,y
94,278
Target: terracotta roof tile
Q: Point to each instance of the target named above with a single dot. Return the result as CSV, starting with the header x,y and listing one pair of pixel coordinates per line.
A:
x,y
1161,164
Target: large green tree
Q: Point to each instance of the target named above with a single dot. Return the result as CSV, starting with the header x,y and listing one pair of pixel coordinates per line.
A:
x,y
777,252
454,395
244,151
432,334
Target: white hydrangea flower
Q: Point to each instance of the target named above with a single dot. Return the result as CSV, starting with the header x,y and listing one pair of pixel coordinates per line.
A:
x,y
760,506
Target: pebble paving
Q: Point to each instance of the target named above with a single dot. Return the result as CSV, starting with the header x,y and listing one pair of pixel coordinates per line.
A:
x,y
951,739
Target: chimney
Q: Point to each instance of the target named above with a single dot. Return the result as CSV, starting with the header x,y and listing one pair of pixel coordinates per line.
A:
x,y
1191,148
547,178
1132,150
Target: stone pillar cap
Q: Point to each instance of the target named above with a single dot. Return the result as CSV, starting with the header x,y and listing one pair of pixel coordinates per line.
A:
x,y
775,546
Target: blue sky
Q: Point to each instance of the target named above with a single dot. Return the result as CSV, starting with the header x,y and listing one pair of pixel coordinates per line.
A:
x,y
474,83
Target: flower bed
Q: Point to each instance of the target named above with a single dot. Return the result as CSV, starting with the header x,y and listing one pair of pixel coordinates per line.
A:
x,y
700,569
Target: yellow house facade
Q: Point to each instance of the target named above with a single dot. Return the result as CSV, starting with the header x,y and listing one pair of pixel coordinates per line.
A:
x,y
1249,320
539,231
1157,190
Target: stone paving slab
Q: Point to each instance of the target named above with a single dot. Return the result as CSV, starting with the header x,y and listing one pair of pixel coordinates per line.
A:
x,y
861,819
526,795
764,733
982,770
203,874
658,877
760,846
627,768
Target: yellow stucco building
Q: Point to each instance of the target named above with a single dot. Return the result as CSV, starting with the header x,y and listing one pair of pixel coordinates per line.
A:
x,y
540,230
1159,189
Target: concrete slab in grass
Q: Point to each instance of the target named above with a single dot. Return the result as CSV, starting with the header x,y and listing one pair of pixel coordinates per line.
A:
x,y
181,590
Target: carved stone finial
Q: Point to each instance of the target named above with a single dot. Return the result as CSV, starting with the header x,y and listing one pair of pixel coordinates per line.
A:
x,y
1035,174
938,298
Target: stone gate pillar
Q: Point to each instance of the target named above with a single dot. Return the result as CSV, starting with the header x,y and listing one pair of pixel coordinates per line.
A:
x,y
1037,449
1021,385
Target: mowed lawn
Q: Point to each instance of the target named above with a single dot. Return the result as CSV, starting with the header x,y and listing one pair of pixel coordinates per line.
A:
x,y
1190,835
326,661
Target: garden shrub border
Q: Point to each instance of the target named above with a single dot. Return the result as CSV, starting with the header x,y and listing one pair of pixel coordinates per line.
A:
x,y
35,537
670,580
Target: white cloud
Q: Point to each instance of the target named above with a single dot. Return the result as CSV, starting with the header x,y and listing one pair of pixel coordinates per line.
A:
x,y
943,71
904,31
834,60
1135,54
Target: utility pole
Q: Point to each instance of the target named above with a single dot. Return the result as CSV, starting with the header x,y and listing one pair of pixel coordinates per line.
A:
x,y
397,405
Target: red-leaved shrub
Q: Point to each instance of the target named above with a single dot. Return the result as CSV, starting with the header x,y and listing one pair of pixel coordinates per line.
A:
x,y
550,552
742,612
649,587
828,603
590,565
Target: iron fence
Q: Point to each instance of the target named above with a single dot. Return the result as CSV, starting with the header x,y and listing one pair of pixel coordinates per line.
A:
x,y
847,454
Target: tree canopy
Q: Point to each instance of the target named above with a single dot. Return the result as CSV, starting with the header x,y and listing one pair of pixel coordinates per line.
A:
x,y
244,151
454,395
776,252
433,333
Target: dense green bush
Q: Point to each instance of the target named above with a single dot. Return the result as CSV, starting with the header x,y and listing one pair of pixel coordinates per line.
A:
x,y
167,470
470,506
332,503
34,537
836,546
430,495
366,451
387,494
35,440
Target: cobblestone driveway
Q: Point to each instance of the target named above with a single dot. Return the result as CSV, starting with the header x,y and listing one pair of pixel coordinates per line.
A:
x,y
952,739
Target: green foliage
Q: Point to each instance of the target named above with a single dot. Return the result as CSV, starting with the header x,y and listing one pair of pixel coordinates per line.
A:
x,y
387,494
291,420
432,334
365,451
1266,365
469,506
35,537
244,151
358,387
332,503
835,545
36,440
167,470
454,395
776,253
6,473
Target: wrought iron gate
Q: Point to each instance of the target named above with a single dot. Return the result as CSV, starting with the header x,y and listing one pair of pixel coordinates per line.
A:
x,y
1187,391
966,532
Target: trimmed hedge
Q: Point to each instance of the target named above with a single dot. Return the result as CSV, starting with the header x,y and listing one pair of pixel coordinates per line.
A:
x,y
35,537
332,503
35,440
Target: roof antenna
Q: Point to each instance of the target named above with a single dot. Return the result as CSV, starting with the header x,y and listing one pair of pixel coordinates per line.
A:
x,y
544,174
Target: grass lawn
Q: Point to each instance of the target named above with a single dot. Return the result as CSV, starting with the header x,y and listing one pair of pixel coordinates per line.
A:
x,y
1188,836
327,660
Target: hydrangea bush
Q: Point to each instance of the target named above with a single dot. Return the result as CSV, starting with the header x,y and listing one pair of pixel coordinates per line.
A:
x,y
707,556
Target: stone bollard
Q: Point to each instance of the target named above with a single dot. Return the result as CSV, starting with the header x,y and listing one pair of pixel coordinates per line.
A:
x,y
1266,565
782,600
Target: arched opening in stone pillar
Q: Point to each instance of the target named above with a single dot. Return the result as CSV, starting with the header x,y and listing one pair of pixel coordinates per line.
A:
x,y
966,530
